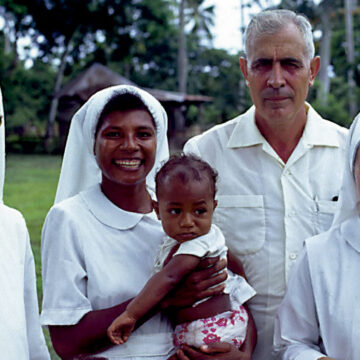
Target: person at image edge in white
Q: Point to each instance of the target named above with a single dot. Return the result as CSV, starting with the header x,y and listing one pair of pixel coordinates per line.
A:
x,y
280,164
21,336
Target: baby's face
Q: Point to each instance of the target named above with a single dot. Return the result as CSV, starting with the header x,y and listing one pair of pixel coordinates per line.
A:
x,y
186,210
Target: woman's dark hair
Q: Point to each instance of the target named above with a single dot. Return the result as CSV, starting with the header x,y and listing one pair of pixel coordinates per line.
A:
x,y
122,102
186,168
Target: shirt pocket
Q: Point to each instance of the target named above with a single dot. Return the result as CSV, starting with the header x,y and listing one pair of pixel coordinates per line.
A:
x,y
242,220
324,215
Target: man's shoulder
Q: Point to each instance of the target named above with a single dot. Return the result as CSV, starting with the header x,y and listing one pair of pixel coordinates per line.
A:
x,y
219,132
330,126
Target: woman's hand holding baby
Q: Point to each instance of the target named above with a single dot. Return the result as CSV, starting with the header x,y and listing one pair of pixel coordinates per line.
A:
x,y
198,285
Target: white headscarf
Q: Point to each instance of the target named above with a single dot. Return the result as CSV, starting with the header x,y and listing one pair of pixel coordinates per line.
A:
x,y
349,197
2,148
347,216
79,168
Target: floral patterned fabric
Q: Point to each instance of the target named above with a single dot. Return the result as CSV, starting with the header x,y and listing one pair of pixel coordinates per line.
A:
x,y
229,326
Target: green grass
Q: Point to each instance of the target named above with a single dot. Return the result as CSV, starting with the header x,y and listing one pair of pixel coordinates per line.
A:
x,y
30,186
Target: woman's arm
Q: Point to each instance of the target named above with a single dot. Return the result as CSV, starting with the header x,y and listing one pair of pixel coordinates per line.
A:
x,y
88,335
200,284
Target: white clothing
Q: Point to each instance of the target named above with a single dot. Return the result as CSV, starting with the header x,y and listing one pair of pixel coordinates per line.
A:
x,y
90,251
320,313
209,245
267,208
94,254
79,168
21,336
2,148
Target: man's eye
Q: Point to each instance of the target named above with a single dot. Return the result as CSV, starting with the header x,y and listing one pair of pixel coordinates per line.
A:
x,y
174,211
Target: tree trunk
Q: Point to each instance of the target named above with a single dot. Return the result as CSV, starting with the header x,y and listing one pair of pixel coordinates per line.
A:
x,y
54,102
325,54
350,55
182,52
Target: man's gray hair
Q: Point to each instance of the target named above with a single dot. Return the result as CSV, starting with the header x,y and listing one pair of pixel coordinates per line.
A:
x,y
271,21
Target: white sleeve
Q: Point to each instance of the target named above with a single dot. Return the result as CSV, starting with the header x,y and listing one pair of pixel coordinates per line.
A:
x,y
36,340
296,335
190,147
64,272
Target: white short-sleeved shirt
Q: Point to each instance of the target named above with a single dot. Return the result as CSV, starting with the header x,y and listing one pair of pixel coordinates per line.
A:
x,y
21,335
93,258
267,208
320,314
209,245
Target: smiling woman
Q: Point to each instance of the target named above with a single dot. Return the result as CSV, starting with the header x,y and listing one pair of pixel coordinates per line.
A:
x,y
102,223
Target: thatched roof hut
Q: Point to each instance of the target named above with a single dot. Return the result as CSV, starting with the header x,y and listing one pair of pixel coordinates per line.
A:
x,y
76,92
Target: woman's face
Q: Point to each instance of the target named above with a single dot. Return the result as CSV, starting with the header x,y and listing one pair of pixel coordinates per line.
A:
x,y
125,147
357,169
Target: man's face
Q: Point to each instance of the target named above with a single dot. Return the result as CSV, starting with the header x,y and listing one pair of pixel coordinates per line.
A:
x,y
278,74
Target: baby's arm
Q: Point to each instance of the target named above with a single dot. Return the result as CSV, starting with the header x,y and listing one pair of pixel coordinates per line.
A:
x,y
152,293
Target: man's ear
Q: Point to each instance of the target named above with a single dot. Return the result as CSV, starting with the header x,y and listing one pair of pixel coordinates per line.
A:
x,y
314,69
244,69
156,208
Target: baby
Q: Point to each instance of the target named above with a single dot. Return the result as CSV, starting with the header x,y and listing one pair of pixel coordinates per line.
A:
x,y
185,190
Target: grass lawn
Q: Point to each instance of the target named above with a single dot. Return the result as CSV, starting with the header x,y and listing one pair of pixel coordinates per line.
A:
x,y
30,185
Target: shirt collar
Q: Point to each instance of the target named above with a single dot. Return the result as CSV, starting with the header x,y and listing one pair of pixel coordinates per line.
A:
x,y
107,212
247,134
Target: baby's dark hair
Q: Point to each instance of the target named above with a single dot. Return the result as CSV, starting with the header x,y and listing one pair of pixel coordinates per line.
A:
x,y
122,102
186,167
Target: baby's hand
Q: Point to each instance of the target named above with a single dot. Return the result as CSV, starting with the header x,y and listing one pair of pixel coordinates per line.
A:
x,y
121,328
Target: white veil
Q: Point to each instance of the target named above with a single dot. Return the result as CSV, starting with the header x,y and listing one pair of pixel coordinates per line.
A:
x,y
2,148
349,197
79,168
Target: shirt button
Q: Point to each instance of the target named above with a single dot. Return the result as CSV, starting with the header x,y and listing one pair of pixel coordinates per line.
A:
x,y
292,256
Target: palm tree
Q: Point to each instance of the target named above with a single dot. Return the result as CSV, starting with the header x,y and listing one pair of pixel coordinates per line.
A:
x,y
192,13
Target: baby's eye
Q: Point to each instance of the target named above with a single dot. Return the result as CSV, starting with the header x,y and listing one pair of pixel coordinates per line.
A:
x,y
174,211
200,211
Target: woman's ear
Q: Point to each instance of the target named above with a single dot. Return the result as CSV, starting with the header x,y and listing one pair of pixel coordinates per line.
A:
x,y
156,208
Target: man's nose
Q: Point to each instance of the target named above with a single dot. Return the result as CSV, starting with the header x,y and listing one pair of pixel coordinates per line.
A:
x,y
276,78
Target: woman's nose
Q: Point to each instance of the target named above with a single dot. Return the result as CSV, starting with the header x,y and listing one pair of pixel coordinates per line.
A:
x,y
276,78
129,143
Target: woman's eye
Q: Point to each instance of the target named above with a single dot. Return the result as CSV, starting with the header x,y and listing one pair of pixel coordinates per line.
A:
x,y
112,134
144,134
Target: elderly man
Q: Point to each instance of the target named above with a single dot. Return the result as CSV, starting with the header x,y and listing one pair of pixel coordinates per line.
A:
x,y
279,164
21,336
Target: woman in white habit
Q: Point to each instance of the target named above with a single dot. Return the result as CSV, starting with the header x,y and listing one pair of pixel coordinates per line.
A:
x,y
319,317
21,336
100,239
